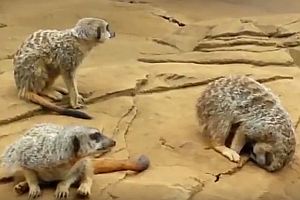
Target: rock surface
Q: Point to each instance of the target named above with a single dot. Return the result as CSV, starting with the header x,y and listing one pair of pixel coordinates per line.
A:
x,y
142,87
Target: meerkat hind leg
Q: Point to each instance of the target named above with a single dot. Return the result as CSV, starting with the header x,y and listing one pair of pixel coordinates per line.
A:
x,y
21,187
52,94
61,90
32,184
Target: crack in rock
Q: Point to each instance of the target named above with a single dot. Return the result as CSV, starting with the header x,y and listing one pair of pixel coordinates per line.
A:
x,y
137,90
133,2
164,143
25,115
233,34
236,42
116,129
196,189
237,48
280,58
162,42
243,160
131,113
2,25
274,78
160,89
110,185
7,57
121,93
213,62
170,19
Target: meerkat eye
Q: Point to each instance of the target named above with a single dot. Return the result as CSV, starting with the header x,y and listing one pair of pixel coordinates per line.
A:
x,y
95,136
98,33
107,27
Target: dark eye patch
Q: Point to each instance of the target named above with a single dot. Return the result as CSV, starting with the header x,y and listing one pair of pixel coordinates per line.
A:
x,y
107,27
95,136
269,158
98,33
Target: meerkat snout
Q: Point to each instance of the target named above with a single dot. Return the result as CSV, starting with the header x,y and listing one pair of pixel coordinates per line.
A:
x,y
101,142
261,154
91,142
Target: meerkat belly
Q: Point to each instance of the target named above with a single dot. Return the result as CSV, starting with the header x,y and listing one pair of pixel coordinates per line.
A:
x,y
53,174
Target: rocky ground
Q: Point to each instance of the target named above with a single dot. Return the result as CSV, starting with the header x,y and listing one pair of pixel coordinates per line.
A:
x,y
142,88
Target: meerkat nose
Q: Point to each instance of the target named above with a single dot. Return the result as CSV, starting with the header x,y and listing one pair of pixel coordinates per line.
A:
x,y
112,143
112,34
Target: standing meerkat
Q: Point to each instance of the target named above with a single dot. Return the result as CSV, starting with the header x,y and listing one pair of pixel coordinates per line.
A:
x,y
46,54
261,121
49,152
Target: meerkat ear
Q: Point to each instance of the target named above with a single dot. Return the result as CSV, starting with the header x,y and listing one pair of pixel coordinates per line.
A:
x,y
98,33
76,145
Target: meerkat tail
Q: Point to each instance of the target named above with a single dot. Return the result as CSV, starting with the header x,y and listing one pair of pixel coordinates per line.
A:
x,y
110,165
35,98
5,176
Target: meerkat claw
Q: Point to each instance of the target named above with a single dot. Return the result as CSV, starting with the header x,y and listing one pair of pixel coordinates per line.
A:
x,y
34,192
61,193
232,156
84,190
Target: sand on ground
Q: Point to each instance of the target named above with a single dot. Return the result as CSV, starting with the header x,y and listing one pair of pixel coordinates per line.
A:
x,y
143,86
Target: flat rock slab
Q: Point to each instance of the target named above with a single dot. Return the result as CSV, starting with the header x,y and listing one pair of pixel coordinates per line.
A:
x,y
142,88
279,57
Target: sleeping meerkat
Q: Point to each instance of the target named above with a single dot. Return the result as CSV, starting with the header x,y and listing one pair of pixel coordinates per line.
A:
x,y
50,152
46,54
259,116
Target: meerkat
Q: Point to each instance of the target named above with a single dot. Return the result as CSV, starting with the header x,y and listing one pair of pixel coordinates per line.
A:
x,y
46,54
50,152
257,113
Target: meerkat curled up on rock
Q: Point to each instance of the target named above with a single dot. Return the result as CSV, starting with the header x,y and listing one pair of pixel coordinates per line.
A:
x,y
46,54
262,121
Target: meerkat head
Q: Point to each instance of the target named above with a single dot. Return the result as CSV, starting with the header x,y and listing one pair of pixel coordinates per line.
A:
x,y
262,154
89,141
268,157
93,29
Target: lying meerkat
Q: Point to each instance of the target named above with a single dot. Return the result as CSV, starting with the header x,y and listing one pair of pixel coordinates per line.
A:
x,y
49,152
259,116
46,54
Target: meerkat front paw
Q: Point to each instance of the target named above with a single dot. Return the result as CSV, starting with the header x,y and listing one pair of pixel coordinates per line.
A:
x,y
232,155
84,190
21,187
62,192
228,153
34,191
